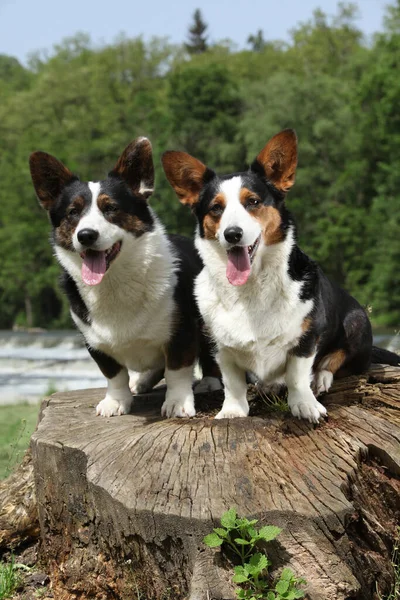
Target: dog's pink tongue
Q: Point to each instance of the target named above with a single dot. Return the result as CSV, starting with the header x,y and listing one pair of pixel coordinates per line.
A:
x,y
93,267
238,268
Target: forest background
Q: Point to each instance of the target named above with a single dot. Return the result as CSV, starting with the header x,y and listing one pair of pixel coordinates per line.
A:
x,y
339,91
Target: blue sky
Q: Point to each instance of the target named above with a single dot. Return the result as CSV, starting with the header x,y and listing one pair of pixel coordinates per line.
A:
x,y
30,25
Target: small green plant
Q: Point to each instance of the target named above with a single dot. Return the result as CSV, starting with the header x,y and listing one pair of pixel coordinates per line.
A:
x,y
243,539
10,578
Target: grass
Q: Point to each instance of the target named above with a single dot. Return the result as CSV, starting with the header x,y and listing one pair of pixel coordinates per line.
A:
x,y
270,401
17,423
10,578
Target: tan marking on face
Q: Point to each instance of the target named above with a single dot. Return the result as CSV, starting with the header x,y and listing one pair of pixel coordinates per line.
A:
x,y
131,223
64,233
103,201
270,221
268,217
334,361
246,195
306,324
212,221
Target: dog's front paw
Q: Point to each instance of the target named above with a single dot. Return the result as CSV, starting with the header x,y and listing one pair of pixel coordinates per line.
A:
x,y
178,407
233,410
323,381
208,384
111,407
304,405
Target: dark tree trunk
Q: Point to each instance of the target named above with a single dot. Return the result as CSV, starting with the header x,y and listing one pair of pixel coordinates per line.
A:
x,y
124,502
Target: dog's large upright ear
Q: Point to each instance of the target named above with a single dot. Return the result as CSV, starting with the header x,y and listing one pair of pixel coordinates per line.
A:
x,y
278,160
49,177
186,174
135,166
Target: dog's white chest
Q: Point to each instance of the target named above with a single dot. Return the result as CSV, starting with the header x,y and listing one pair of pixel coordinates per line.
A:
x,y
134,338
131,312
258,323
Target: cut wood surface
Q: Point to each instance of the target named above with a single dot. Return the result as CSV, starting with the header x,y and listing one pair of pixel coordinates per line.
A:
x,y
125,502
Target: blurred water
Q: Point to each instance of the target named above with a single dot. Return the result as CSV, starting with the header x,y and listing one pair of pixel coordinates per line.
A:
x,y
33,364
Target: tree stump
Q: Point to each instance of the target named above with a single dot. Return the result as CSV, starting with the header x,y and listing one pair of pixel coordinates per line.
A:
x,y
124,503
18,513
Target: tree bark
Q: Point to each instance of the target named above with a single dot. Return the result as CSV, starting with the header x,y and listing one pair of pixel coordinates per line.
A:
x,y
124,503
18,512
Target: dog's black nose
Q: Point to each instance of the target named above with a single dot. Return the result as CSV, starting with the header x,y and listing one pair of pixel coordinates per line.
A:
x,y
233,235
87,237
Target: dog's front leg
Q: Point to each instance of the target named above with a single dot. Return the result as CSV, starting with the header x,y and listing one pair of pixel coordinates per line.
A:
x,y
301,400
118,399
234,378
179,399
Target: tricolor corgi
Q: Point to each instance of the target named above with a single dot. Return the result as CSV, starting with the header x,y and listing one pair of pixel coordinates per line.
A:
x,y
130,286
270,309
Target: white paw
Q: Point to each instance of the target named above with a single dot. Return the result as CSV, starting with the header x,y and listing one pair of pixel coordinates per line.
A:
x,y
207,384
178,407
323,381
232,410
110,407
134,379
304,405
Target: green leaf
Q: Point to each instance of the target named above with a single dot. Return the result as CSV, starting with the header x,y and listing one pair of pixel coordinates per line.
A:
x,y
290,595
259,560
241,542
212,540
228,519
271,596
221,532
299,594
269,532
282,586
239,578
287,574
241,594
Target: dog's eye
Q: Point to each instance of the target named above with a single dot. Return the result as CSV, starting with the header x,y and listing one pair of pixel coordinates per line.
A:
x,y
253,201
216,209
73,212
110,209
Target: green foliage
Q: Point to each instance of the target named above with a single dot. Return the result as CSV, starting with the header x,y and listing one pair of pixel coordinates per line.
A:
x,y
17,423
240,536
84,104
10,578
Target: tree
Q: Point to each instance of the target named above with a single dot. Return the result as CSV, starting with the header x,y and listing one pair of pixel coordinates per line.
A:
x,y
197,39
257,41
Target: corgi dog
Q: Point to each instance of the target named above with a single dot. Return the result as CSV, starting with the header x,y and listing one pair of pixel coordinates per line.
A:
x,y
270,309
130,286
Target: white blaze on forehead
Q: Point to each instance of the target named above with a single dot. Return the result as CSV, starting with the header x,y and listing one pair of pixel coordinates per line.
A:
x,y
235,215
94,187
94,219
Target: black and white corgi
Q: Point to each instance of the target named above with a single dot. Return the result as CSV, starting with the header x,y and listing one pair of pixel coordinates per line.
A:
x,y
269,307
130,286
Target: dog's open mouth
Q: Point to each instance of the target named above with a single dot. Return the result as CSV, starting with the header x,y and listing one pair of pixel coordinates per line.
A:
x,y
96,262
240,259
